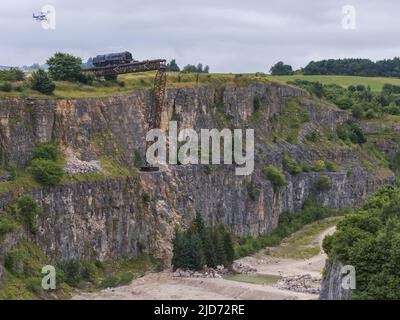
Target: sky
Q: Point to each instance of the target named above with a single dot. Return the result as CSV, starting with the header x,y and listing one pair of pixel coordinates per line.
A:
x,y
237,36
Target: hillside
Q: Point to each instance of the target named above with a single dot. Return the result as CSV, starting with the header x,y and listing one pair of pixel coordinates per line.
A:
x,y
113,213
128,82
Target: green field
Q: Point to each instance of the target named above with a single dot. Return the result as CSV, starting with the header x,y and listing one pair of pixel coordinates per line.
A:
x,y
129,82
376,84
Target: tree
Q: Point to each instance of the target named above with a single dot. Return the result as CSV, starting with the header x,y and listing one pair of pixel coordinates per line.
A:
x,y
63,66
47,172
191,68
29,211
275,176
42,82
48,151
172,66
280,69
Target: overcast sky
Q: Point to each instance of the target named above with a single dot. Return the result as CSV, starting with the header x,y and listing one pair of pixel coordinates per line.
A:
x,y
229,35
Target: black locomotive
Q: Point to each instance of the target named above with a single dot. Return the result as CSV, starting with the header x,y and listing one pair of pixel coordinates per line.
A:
x,y
112,59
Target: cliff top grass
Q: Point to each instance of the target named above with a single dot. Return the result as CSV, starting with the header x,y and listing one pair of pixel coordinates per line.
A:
x,y
375,83
128,82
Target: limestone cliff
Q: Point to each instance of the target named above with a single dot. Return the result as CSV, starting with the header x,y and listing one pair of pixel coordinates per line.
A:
x,y
119,216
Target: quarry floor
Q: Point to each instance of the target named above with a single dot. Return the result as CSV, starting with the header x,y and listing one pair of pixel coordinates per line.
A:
x,y
162,285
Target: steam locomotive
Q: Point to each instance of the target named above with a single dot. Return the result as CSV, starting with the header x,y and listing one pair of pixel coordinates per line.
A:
x,y
112,59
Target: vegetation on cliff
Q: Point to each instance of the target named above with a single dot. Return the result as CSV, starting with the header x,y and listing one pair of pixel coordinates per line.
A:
x,y
200,245
369,240
289,223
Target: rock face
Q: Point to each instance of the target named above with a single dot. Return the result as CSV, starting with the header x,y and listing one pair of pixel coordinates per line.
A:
x,y
119,217
331,286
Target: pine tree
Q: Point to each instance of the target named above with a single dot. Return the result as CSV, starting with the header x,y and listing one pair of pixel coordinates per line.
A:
x,y
42,82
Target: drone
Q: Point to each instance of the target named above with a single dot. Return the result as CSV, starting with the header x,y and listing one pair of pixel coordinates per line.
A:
x,y
41,16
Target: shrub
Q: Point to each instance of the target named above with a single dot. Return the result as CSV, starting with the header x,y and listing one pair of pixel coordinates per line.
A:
x,y
42,82
34,284
305,167
126,278
47,151
312,136
290,165
275,176
12,168
257,103
6,224
331,166
13,74
47,172
351,131
63,66
146,197
323,183
318,166
6,87
29,211
110,282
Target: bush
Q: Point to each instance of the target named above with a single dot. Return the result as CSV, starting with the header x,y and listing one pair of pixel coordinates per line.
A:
x,y
275,176
63,66
312,136
42,82
6,224
29,211
290,165
34,284
323,183
256,103
331,166
368,239
6,87
47,151
318,166
12,168
13,74
351,131
111,281
126,278
146,197
47,172
305,167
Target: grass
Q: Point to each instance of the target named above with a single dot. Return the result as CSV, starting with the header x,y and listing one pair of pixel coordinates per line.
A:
x,y
376,83
128,82
24,180
291,120
304,243
253,278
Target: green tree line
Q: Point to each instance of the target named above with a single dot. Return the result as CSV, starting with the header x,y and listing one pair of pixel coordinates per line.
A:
x,y
200,245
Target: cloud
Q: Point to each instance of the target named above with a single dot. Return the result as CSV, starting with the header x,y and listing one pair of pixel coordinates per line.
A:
x,y
230,36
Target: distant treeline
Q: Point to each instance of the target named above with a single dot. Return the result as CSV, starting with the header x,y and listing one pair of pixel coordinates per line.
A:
x,y
354,67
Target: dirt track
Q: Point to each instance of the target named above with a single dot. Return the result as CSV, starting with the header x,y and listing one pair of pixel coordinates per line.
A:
x,y
164,286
